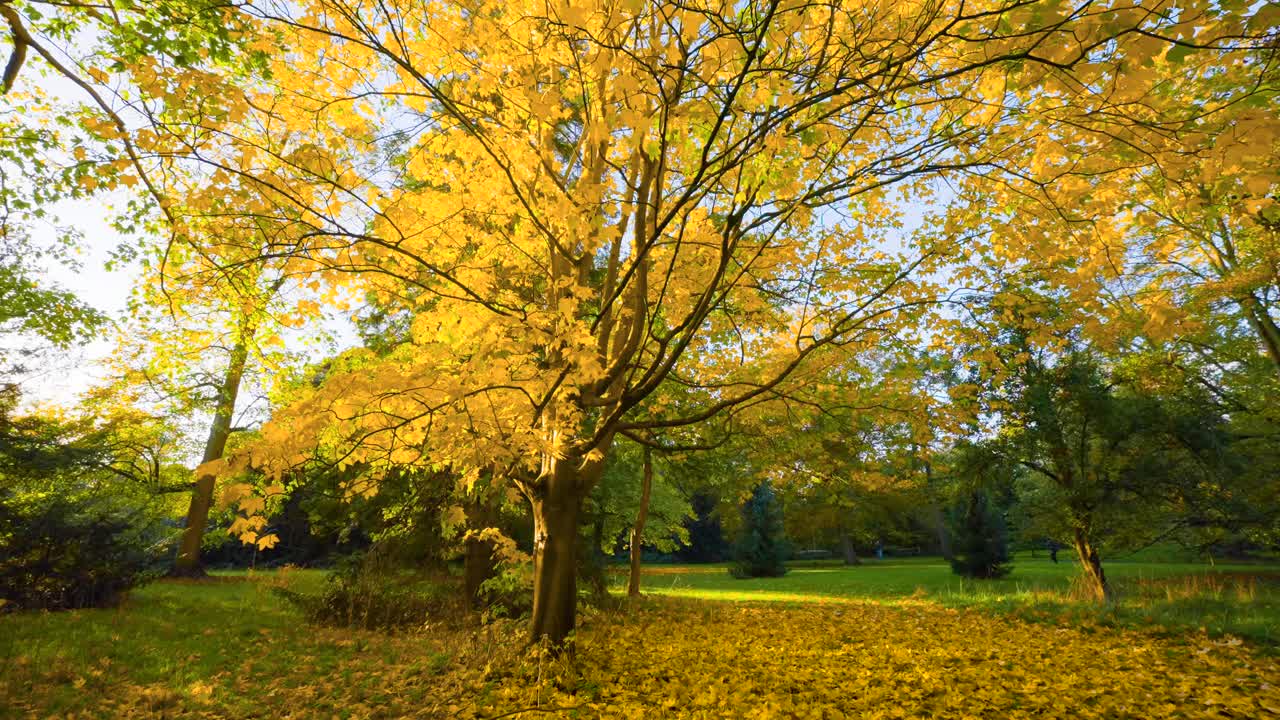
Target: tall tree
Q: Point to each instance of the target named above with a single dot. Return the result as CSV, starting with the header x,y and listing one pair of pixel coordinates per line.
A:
x,y
582,201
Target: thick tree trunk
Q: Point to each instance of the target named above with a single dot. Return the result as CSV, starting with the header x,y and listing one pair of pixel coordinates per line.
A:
x,y
188,562
555,572
556,497
850,553
1091,564
637,532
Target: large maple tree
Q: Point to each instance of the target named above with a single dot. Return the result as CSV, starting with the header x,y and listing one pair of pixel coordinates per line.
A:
x,y
581,202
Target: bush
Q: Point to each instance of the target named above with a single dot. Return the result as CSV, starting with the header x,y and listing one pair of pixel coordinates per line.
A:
x,y
60,554
981,541
762,547
364,592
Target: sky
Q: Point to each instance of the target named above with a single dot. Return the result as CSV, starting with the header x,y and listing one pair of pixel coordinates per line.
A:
x,y
63,375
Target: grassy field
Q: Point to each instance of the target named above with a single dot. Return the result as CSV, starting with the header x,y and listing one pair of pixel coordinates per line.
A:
x,y
891,639
1222,599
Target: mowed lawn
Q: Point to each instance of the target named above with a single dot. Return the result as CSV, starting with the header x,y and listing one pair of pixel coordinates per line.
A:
x,y
1240,599
898,639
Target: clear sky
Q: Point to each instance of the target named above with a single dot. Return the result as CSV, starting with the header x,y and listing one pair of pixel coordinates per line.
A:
x,y
61,376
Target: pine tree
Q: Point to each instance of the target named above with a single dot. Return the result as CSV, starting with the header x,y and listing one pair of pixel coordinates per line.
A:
x,y
762,546
981,540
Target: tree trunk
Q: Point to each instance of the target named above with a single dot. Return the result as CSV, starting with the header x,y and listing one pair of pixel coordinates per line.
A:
x,y
939,522
642,514
188,562
555,575
850,553
1091,563
1266,329
593,561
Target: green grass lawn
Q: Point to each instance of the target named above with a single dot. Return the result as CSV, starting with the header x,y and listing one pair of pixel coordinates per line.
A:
x,y
1240,599
171,643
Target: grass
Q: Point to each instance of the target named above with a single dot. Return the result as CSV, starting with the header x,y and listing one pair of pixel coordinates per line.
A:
x,y
1241,600
231,648
173,642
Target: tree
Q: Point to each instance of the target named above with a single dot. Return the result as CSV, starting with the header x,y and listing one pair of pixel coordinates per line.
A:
x,y
86,500
1162,209
981,540
202,321
762,548
1115,457
581,202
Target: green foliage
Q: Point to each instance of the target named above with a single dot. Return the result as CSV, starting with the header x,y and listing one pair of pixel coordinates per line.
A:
x,y
82,515
509,593
60,553
615,500
762,546
981,547
30,310
1117,452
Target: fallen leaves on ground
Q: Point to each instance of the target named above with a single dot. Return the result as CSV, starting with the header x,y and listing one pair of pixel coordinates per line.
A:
x,y
709,660
697,659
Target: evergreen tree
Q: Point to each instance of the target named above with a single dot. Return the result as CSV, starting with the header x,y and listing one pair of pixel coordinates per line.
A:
x,y
762,545
981,540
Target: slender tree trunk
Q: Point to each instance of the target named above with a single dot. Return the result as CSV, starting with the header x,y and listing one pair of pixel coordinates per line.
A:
x,y
1091,563
850,553
188,562
939,522
593,560
637,532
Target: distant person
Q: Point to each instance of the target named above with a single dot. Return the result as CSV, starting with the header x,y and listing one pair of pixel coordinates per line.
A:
x,y
879,550
1053,551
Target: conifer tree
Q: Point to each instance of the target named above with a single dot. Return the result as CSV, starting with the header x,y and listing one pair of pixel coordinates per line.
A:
x,y
981,540
762,545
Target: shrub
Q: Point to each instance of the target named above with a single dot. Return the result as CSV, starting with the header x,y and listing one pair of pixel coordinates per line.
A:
x,y
981,548
366,592
762,547
58,553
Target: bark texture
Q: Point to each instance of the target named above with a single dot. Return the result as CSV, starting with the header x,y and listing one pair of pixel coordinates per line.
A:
x,y
1091,563
556,499
1262,324
555,572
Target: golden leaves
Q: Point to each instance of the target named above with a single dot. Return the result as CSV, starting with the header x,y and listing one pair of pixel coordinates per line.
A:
x,y
846,660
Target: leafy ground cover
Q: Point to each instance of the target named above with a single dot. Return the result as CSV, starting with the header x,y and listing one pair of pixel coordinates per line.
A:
x,y
233,648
